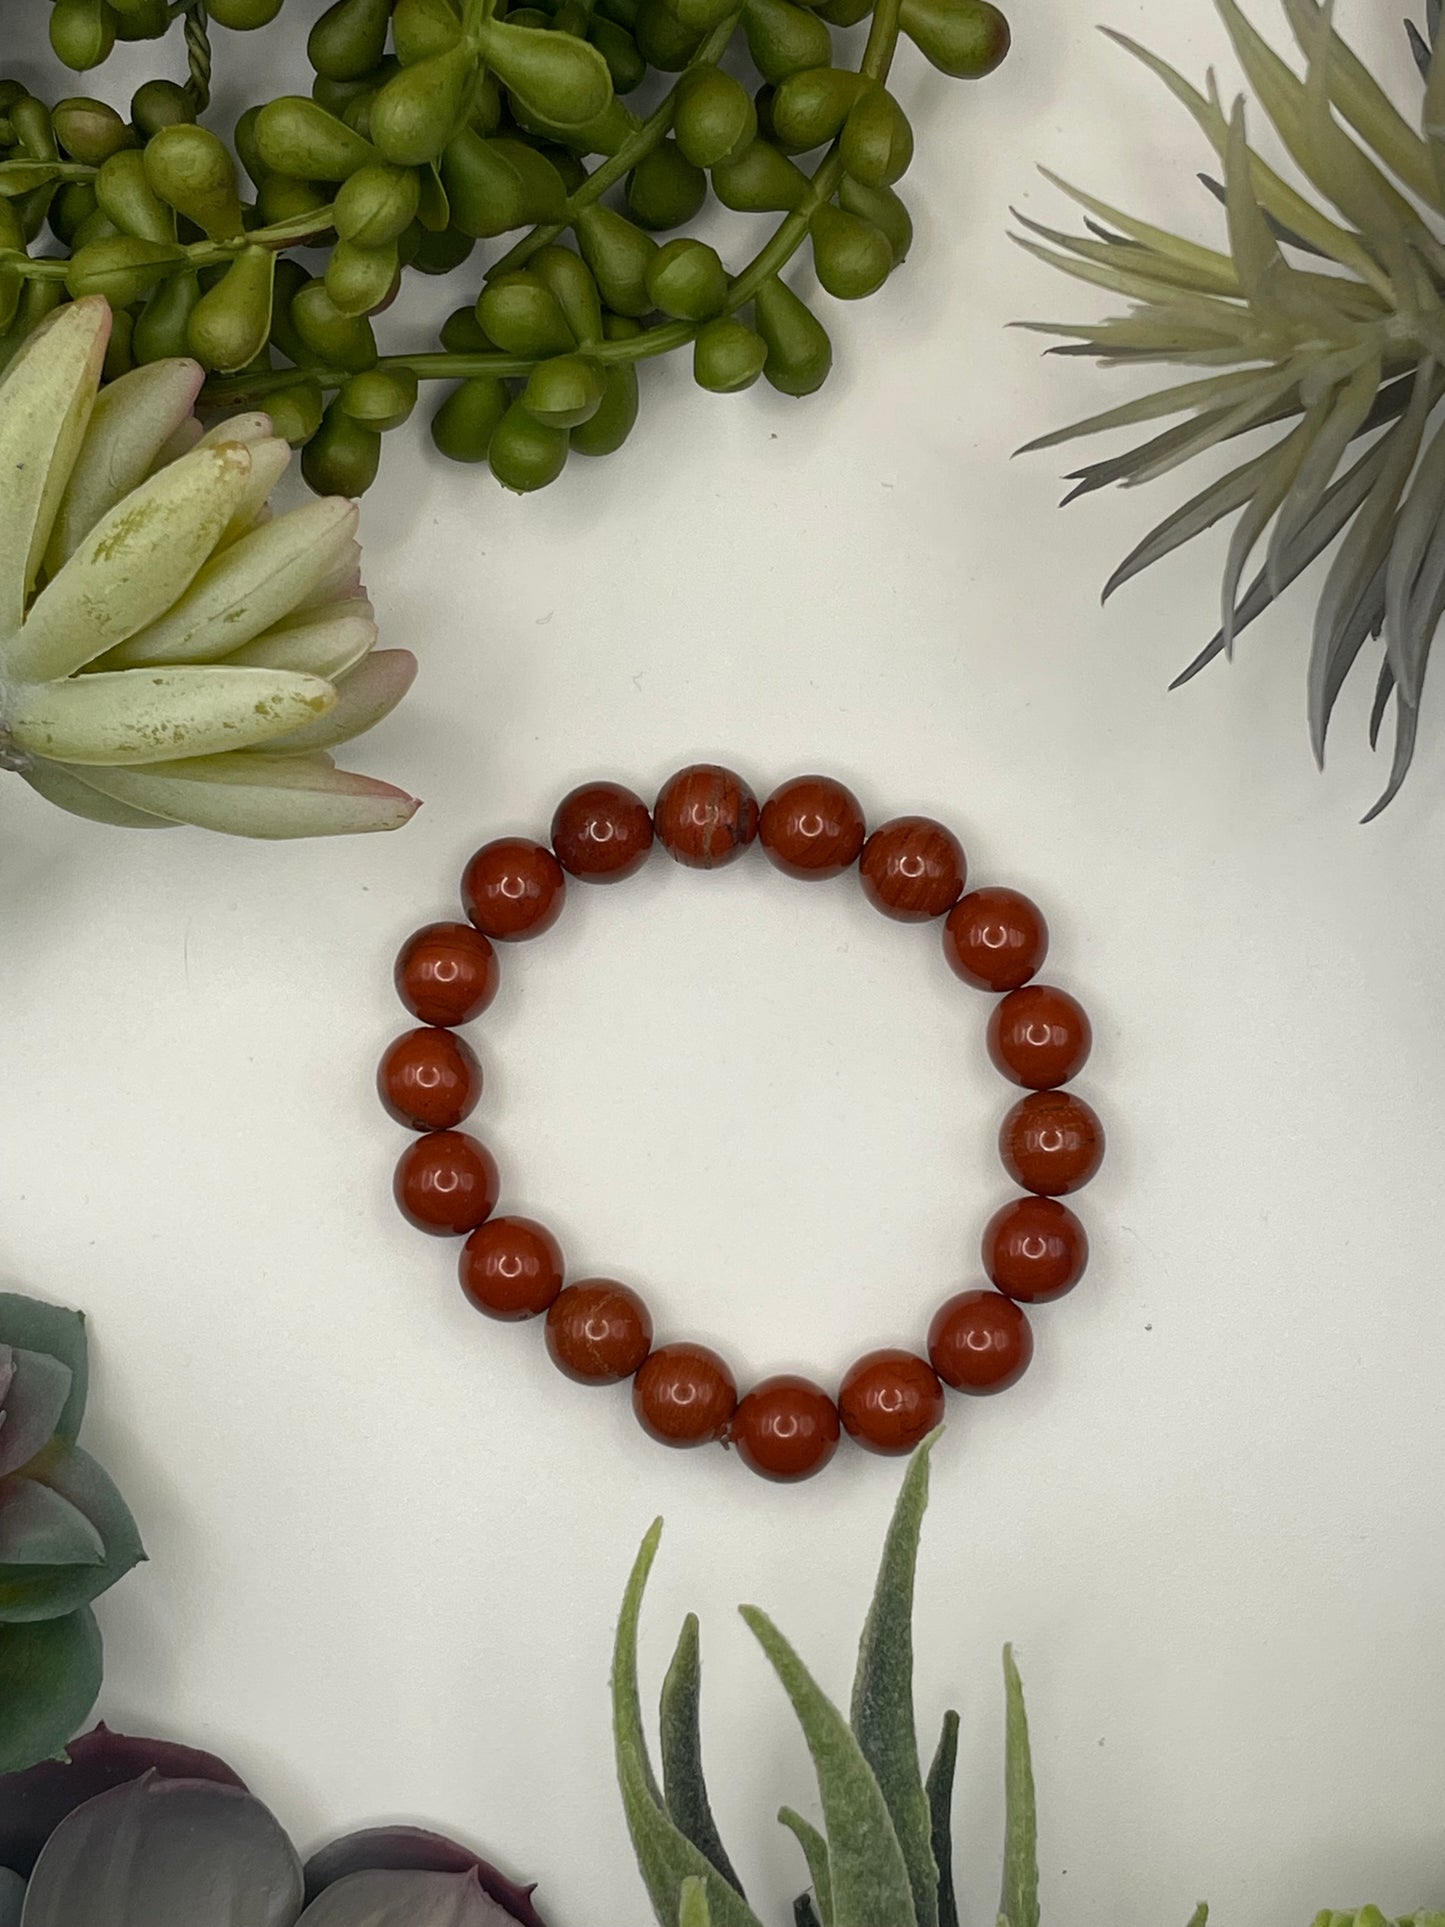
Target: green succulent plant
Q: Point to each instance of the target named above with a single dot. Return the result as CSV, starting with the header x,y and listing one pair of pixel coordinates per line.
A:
x,y
1323,321
66,1535
170,651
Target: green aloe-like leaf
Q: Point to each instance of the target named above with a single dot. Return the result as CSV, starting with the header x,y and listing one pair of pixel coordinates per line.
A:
x,y
694,1911
49,1678
870,1874
33,1326
815,1852
30,1593
882,1708
684,1785
665,1855
940,1806
1020,1900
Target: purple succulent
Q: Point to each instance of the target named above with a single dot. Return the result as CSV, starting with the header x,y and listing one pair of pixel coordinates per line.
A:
x,y
138,1833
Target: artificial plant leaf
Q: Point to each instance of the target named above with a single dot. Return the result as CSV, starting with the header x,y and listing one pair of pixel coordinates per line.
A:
x,y
815,1852
940,1806
694,1910
33,1803
1363,102
1211,391
1349,411
683,1782
39,1528
42,1592
166,1853
35,1326
870,1875
68,791
1020,1899
882,1707
49,1677
1432,114
12,1898
1115,251
665,1856
164,714
1200,512
412,1850
390,1898
365,696
260,796
1409,599
1274,486
1134,285
1200,1916
1186,253
36,1397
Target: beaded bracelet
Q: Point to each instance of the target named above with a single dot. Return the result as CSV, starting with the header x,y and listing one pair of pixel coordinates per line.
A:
x,y
598,1331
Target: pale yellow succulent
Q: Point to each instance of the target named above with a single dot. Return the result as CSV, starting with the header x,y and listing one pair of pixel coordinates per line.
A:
x,y
171,651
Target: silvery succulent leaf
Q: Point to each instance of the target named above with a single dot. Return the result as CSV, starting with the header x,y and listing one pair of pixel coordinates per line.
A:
x,y
166,1853
156,614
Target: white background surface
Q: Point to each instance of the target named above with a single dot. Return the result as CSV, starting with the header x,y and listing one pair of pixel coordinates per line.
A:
x,y
387,1539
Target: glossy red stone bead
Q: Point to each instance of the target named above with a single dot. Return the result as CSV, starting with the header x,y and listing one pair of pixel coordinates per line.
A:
x,y
512,889
995,939
511,1268
890,1401
429,1080
1051,1142
786,1429
705,816
602,833
684,1395
980,1342
812,827
598,1331
447,973
446,1183
1035,1249
913,869
1039,1037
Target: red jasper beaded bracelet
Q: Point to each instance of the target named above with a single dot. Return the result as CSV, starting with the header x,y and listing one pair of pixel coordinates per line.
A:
x,y
599,1332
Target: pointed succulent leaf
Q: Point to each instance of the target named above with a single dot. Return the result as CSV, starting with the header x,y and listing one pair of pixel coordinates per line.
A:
x,y
412,1850
249,587
1108,250
1274,487
322,645
166,1853
1212,391
33,1803
68,792
1020,1899
33,1325
365,696
665,1856
248,428
162,714
133,565
870,1875
684,1785
1200,512
1200,1916
46,397
41,1592
49,1677
391,1898
40,1528
1221,425
940,1807
1409,629
133,419
259,796
694,1910
1363,102
1136,286
815,1852
882,1709
1186,253
1349,411
1432,118
35,1398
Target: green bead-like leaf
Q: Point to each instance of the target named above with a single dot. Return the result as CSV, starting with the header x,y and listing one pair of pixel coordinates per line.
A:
x,y
870,1875
49,1677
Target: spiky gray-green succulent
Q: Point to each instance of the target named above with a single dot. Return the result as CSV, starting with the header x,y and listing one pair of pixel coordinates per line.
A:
x,y
1322,326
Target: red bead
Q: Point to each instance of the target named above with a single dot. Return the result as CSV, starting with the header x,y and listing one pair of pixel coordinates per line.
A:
x,y
995,939
602,833
512,889
913,869
511,1268
786,1428
1051,1142
890,1401
446,1183
447,973
1035,1249
1039,1037
705,816
429,1079
812,827
980,1342
598,1332
684,1395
